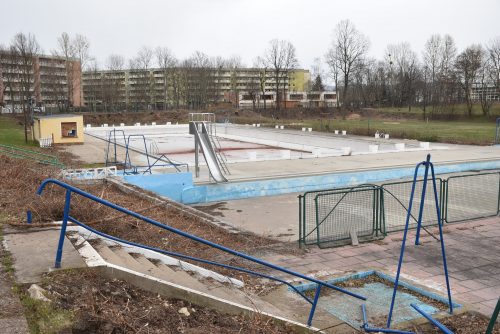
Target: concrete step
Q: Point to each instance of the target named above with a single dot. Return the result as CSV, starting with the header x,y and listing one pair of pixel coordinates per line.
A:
x,y
138,262
129,261
108,255
182,278
151,269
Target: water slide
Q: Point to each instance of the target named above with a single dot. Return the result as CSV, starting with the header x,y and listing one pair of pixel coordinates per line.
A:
x,y
208,151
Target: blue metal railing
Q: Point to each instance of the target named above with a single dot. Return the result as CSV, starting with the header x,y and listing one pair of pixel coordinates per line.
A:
x,y
428,165
67,217
433,321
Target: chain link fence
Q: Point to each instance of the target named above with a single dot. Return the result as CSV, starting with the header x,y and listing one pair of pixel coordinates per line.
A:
x,y
471,196
329,217
308,219
341,214
395,201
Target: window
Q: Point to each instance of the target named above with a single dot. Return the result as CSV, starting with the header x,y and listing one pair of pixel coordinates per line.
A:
x,y
296,97
68,129
313,96
329,96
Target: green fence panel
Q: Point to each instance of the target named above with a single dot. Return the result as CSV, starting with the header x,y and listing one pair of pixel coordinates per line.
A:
x,y
327,216
472,196
340,212
22,153
307,214
395,200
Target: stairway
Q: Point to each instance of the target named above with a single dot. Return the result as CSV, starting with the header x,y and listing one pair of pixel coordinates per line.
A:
x,y
280,302
139,263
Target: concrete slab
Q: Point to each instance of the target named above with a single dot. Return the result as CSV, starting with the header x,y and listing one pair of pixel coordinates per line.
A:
x,y
272,216
34,253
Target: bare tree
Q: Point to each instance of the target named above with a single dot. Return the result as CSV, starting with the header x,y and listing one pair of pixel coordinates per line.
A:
x,y
333,61
431,57
349,46
234,64
141,71
165,60
405,63
66,51
113,81
467,65
199,80
81,46
317,74
280,58
3,60
26,48
263,70
484,83
493,53
93,88
115,62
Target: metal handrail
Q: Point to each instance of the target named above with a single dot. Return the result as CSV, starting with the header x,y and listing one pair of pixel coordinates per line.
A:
x,y
66,217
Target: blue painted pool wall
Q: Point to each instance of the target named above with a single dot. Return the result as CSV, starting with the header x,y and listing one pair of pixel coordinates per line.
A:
x,y
184,191
248,189
169,185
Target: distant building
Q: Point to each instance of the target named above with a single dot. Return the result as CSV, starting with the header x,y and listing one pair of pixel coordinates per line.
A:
x,y
291,100
488,92
183,87
55,82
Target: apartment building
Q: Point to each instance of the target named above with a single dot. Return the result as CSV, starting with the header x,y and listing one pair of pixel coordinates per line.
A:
x,y
182,87
51,82
289,100
486,92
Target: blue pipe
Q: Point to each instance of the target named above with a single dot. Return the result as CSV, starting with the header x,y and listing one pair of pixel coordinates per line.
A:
x,y
403,245
422,200
29,217
436,323
441,238
313,307
187,235
187,257
369,329
60,244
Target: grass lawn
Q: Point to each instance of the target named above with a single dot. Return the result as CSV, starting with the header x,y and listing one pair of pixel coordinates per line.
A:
x,y
463,132
12,133
458,109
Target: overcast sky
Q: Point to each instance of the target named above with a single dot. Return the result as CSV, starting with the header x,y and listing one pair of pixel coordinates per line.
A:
x,y
245,27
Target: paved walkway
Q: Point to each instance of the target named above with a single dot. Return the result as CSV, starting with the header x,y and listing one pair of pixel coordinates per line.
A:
x,y
473,256
12,319
34,250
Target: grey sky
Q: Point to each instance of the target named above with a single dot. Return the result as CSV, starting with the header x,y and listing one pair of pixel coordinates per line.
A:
x,y
244,27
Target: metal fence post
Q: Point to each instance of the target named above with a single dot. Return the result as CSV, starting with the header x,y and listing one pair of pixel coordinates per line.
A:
x,y
494,318
301,241
382,212
317,220
60,245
